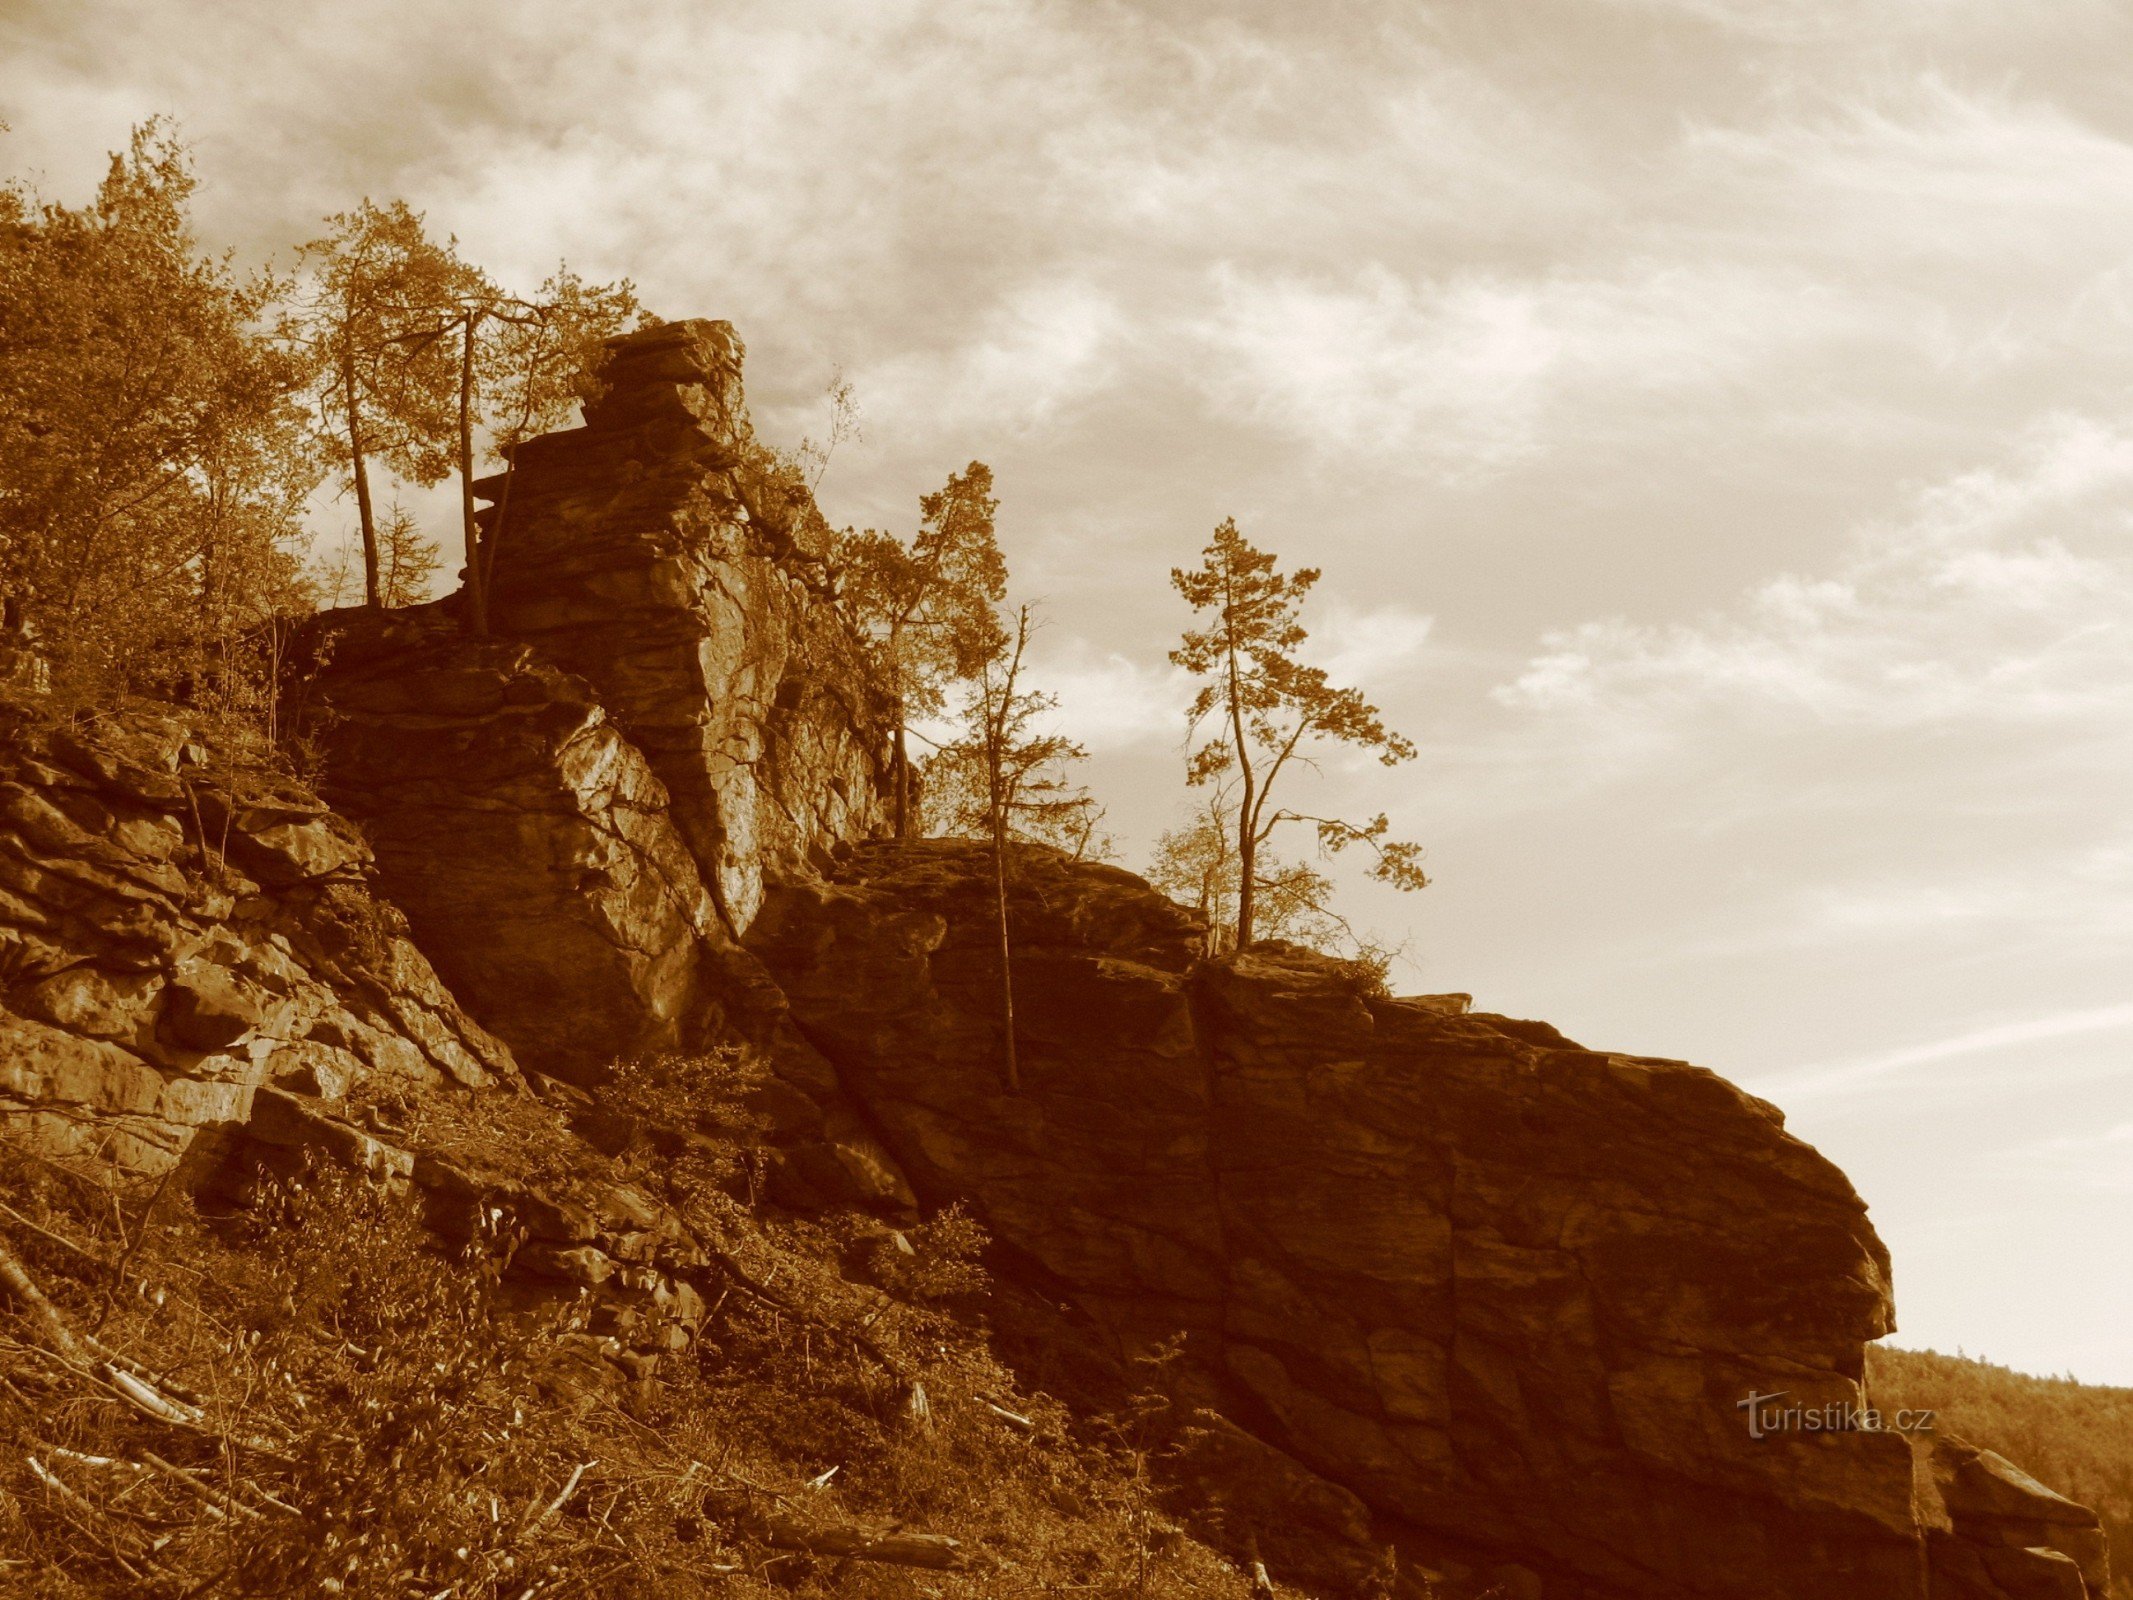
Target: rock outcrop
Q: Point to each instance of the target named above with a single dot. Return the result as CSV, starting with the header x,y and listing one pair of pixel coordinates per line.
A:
x,y
180,929
661,553
1504,1288
578,813
530,844
1447,1282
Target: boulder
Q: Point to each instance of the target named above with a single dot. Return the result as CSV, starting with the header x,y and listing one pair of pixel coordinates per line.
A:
x,y
2028,1533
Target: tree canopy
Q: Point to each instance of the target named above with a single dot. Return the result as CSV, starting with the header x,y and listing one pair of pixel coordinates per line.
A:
x,y
153,462
926,607
384,390
1260,711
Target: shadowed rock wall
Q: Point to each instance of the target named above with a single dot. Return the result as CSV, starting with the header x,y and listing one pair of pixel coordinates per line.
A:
x,y
530,844
1501,1286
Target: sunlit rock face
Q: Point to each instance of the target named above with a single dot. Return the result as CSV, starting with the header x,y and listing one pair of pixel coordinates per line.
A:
x,y
181,927
1503,1287
579,811
656,554
533,849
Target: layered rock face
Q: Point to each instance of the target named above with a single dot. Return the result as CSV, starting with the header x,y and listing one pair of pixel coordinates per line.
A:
x,y
578,813
1502,1287
180,930
659,553
529,842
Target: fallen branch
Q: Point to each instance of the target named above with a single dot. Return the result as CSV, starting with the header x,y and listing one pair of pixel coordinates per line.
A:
x,y
844,1541
16,1278
1013,1419
152,1402
220,1505
59,1239
562,1499
79,1349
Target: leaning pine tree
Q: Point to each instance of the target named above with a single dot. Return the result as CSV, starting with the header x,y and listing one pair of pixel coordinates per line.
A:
x,y
1264,711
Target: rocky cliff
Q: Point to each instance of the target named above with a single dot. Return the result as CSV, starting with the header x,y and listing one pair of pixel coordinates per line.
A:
x,y
1445,1283
661,553
1498,1285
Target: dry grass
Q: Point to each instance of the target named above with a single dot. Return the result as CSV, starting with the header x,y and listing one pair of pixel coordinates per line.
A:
x,y
347,1408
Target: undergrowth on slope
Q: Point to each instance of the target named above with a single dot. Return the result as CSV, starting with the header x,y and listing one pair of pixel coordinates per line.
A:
x,y
312,1394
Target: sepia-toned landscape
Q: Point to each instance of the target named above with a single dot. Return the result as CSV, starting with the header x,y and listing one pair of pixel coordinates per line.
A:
x,y
575,1022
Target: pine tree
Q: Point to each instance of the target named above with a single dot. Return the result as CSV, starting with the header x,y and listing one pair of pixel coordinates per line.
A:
x,y
1268,709
407,561
926,608
1004,780
385,383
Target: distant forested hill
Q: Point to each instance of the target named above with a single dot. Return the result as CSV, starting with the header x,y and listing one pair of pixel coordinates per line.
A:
x,y
2075,1437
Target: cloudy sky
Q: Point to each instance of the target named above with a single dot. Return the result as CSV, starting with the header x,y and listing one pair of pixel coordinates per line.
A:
x,y
1714,419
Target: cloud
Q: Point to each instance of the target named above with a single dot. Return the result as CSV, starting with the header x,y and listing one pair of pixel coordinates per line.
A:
x,y
1925,170
1846,1077
1031,358
2101,1160
1369,648
1803,22
1977,607
1110,701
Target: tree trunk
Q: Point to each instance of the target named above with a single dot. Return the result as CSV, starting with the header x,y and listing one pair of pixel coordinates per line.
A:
x,y
782,1530
494,539
1247,814
477,590
902,783
1007,975
360,470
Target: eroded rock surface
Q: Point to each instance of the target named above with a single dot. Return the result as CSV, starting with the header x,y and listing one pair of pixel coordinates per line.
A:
x,y
178,929
1502,1287
529,842
657,553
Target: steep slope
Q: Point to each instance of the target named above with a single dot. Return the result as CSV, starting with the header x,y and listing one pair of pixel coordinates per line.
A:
x,y
184,926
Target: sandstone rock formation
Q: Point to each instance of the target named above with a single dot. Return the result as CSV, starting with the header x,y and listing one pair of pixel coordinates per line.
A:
x,y
1448,1282
1500,1286
2008,1534
528,841
659,553
178,929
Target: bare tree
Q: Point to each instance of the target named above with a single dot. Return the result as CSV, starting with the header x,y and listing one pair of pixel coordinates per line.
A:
x,y
926,607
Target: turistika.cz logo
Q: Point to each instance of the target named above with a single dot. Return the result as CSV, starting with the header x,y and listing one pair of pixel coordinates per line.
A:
x,y
1767,1414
